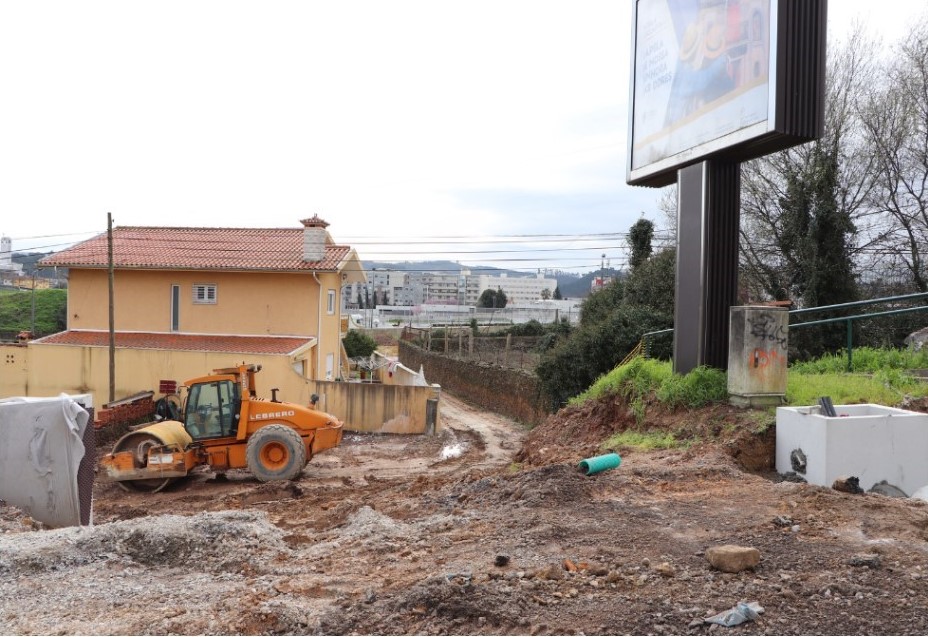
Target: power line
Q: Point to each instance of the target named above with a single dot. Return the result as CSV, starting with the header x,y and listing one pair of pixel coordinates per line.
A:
x,y
55,236
484,259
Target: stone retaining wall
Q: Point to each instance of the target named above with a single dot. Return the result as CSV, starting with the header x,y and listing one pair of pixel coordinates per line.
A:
x,y
513,393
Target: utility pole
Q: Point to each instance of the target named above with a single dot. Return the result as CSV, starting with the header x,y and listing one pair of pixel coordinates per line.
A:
x,y
33,303
109,251
602,272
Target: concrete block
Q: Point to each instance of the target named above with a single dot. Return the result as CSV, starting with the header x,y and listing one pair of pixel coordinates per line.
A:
x,y
871,442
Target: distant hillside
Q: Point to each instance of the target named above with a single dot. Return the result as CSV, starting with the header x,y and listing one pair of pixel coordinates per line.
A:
x,y
29,259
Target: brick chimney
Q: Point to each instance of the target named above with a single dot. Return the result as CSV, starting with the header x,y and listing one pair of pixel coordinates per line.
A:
x,y
314,235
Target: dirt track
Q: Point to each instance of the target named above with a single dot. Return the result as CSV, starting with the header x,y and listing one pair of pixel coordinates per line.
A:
x,y
383,535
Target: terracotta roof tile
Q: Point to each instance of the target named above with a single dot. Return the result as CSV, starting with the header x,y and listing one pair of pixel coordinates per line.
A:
x,y
275,249
181,342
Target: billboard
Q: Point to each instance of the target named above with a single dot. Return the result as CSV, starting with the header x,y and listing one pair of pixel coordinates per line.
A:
x,y
704,80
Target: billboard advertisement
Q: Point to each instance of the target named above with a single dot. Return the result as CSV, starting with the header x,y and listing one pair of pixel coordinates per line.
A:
x,y
701,80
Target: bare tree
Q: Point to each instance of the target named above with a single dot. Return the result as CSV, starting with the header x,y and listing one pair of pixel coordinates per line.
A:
x,y
667,205
775,262
895,120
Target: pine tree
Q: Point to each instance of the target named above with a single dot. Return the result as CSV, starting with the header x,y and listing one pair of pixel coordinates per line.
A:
x,y
817,244
639,240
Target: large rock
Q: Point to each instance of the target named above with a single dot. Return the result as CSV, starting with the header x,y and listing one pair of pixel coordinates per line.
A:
x,y
847,484
917,340
733,559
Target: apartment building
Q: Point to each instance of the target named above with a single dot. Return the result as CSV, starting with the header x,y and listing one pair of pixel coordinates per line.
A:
x,y
413,287
517,289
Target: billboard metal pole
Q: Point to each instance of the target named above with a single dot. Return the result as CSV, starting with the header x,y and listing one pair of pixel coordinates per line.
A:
x,y
709,197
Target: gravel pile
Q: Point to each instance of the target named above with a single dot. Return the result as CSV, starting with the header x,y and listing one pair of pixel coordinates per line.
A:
x,y
13,520
155,575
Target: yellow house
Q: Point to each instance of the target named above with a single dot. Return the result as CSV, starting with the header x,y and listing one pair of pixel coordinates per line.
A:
x,y
189,299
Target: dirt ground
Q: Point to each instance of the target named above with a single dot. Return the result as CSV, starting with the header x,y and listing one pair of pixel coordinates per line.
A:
x,y
483,529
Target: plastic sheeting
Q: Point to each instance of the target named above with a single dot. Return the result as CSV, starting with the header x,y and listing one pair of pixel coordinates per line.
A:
x,y
738,614
41,450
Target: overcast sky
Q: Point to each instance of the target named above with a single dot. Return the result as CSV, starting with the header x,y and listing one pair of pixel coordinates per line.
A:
x,y
392,120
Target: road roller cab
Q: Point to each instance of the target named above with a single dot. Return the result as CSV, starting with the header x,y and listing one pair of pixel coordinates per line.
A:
x,y
226,426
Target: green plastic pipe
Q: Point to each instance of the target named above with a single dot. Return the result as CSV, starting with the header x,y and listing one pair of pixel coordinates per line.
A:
x,y
599,463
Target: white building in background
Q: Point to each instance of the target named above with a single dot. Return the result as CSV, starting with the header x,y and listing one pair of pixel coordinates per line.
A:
x,y
389,283
410,288
518,290
8,269
436,288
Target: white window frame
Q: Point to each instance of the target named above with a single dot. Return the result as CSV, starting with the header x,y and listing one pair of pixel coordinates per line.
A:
x,y
329,366
205,293
330,303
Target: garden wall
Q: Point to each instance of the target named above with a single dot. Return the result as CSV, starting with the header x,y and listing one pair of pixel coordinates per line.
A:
x,y
512,393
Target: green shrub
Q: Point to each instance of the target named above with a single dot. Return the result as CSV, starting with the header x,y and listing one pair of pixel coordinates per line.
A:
x,y
700,387
546,342
590,351
531,328
358,344
612,322
643,378
598,306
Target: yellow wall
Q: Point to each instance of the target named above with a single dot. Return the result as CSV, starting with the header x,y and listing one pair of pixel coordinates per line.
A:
x,y
374,407
13,373
30,282
49,370
330,332
53,369
247,303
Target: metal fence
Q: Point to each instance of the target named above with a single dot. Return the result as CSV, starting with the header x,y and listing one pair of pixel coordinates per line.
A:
x,y
512,352
648,339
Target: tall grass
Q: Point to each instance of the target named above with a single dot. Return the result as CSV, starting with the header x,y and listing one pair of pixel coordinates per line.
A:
x,y
865,360
644,440
644,377
886,387
880,377
633,381
699,387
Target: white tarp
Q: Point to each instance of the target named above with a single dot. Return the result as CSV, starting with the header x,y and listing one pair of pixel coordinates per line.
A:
x,y
40,452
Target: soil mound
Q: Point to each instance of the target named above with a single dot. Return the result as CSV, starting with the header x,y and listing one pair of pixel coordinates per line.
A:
x,y
576,432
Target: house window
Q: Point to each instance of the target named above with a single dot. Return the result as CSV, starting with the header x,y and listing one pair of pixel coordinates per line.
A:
x,y
175,308
330,306
204,293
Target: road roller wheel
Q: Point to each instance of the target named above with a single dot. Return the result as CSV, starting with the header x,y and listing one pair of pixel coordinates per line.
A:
x,y
152,485
139,443
275,452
